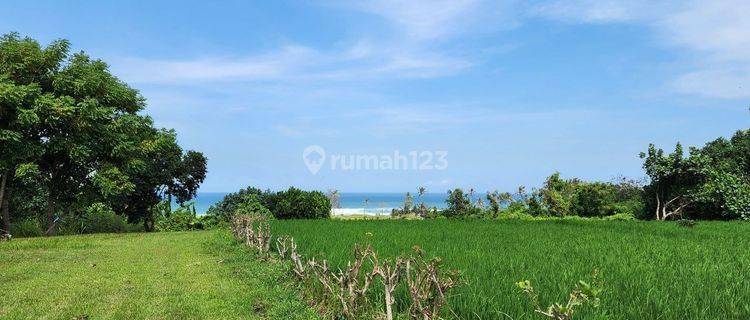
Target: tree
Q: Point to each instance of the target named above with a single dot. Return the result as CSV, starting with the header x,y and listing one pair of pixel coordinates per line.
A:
x,y
157,166
408,203
722,170
459,204
77,125
335,198
671,181
497,200
593,199
26,71
191,172
228,206
421,210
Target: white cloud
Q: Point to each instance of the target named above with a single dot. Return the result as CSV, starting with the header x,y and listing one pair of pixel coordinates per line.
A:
x,y
590,11
414,46
424,20
264,66
716,82
714,36
715,33
295,63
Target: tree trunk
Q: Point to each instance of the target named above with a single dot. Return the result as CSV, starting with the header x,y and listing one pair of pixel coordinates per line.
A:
x,y
388,305
4,203
169,204
148,223
658,206
50,215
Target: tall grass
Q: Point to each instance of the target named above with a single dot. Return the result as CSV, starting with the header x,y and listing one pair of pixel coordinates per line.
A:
x,y
651,270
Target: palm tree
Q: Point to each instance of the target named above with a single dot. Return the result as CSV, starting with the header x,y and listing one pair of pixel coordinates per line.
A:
x,y
422,208
335,198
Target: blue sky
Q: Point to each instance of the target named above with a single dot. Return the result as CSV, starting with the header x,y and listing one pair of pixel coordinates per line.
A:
x,y
511,90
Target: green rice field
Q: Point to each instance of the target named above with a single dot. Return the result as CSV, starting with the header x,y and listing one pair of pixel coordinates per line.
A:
x,y
651,270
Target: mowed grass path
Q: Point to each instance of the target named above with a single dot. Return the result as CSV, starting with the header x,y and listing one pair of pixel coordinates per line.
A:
x,y
651,270
186,275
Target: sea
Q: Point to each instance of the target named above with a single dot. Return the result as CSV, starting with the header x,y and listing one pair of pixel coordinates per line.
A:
x,y
369,203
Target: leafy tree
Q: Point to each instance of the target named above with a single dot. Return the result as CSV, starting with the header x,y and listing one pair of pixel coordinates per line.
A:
x,y
722,168
408,203
229,205
75,128
158,167
594,199
671,181
498,200
421,210
459,204
335,198
252,205
297,204
26,72
556,195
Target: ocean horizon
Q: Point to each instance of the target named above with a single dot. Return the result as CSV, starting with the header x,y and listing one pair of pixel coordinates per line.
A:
x,y
351,202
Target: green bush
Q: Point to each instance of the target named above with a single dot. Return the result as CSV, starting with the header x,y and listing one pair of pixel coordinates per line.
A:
x,y
26,228
593,199
459,205
97,218
290,204
227,207
182,219
620,217
251,205
633,207
298,204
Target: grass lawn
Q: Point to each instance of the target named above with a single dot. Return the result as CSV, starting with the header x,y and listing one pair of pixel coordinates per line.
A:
x,y
651,270
185,275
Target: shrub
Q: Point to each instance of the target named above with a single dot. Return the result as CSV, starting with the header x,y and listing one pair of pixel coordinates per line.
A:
x,y
297,204
251,205
182,219
96,218
459,204
26,228
620,217
100,218
593,199
227,207
290,204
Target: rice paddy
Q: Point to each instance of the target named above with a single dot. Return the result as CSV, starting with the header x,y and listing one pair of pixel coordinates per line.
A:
x,y
651,270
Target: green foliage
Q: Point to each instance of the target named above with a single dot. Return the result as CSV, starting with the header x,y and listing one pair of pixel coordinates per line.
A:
x,y
100,218
459,205
96,218
252,205
72,135
713,182
26,228
620,217
583,294
290,204
297,204
672,179
593,199
227,207
182,219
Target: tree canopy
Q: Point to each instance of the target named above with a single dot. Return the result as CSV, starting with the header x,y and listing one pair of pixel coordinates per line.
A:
x,y
72,135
